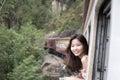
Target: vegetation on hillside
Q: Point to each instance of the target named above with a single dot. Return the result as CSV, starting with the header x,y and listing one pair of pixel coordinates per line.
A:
x,y
69,22
14,13
23,26
21,53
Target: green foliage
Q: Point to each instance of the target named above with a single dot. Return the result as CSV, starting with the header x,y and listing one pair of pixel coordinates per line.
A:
x,y
21,46
30,33
9,51
27,70
17,49
70,20
18,12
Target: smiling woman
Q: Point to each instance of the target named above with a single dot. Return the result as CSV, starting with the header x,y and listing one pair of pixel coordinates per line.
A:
x,y
77,57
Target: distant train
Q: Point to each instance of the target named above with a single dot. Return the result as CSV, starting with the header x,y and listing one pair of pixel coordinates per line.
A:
x,y
57,45
101,27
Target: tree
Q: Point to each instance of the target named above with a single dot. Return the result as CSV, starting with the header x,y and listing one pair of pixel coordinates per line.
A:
x,y
18,12
17,47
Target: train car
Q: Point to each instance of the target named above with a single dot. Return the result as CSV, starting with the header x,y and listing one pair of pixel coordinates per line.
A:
x,y
101,27
57,45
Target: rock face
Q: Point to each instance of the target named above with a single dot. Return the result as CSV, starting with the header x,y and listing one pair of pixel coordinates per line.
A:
x,y
58,7
54,66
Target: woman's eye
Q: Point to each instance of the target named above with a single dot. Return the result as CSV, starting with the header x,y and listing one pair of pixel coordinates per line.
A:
x,y
78,45
72,46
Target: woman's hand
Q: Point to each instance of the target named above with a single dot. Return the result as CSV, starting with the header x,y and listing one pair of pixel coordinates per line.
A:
x,y
83,73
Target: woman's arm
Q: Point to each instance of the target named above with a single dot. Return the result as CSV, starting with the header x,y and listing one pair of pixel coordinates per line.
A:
x,y
73,78
84,61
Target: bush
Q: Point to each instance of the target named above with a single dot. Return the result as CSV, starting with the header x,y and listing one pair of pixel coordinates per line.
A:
x,y
21,53
27,70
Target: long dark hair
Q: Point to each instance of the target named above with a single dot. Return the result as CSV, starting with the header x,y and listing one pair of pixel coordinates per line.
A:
x,y
73,63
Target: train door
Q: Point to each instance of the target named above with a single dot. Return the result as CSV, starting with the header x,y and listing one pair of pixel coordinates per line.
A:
x,y
102,43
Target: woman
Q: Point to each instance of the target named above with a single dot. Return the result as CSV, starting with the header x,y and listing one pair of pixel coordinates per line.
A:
x,y
77,57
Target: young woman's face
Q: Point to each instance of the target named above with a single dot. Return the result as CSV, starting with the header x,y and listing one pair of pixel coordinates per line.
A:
x,y
76,47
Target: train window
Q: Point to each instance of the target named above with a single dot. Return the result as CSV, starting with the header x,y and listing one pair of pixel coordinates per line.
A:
x,y
89,32
102,42
51,43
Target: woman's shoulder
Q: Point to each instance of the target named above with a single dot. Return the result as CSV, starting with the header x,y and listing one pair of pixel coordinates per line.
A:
x,y
84,61
84,58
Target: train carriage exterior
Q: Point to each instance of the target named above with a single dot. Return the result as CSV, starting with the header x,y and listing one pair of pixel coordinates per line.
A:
x,y
101,27
57,45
